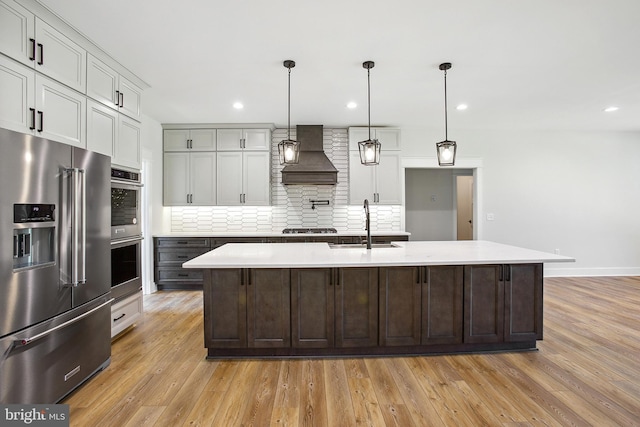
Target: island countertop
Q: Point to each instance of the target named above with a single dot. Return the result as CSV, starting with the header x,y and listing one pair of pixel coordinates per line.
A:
x,y
412,253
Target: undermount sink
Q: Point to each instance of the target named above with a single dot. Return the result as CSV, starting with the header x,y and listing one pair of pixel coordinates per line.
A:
x,y
363,246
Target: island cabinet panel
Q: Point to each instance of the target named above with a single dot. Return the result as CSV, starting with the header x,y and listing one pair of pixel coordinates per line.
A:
x,y
483,304
268,308
523,302
442,304
356,307
312,301
400,306
247,308
225,308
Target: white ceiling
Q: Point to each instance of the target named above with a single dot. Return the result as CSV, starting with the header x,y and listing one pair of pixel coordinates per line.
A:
x,y
537,64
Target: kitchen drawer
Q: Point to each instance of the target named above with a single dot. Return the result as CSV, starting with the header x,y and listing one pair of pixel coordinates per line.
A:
x,y
180,275
125,313
191,242
177,257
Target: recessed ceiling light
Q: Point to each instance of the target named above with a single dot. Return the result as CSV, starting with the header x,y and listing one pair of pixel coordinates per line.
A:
x,y
238,105
462,107
610,109
351,105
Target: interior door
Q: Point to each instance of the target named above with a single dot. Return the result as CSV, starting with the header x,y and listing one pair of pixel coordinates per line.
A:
x,y
464,203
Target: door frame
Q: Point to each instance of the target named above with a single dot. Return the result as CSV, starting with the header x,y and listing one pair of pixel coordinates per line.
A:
x,y
473,163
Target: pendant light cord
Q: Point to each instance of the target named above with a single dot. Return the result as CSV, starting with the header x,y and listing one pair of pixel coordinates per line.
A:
x,y
369,99
446,137
289,107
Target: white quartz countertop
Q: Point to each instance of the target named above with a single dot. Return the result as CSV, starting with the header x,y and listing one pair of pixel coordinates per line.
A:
x,y
317,255
224,234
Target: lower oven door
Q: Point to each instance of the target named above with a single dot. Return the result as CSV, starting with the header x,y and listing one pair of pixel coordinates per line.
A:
x,y
126,258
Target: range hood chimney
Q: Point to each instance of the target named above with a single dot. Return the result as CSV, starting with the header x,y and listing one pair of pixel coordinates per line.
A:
x,y
314,167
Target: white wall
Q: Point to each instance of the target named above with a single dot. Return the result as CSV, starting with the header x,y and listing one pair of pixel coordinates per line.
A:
x,y
578,192
154,214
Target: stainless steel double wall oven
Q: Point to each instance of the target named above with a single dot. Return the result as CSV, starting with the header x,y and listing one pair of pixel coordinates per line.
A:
x,y
126,233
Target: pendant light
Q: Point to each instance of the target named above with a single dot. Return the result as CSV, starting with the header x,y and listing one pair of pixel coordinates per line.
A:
x,y
446,149
288,149
369,149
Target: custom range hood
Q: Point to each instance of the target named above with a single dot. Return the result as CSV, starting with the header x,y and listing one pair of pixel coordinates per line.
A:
x,y
314,167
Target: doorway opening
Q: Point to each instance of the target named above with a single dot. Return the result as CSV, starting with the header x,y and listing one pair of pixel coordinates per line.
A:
x,y
441,204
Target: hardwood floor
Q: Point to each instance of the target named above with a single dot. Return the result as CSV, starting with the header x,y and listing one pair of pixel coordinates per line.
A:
x,y
586,372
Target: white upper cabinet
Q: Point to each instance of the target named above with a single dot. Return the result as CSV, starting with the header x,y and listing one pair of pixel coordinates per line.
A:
x,y
102,128
127,147
17,86
59,57
60,113
389,138
33,42
380,184
244,139
190,139
243,178
106,85
189,178
17,30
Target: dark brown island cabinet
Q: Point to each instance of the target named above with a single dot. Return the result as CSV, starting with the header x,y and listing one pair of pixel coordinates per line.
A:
x,y
281,312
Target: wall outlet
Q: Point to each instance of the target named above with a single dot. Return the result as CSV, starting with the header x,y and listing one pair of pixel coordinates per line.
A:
x,y
556,251
490,217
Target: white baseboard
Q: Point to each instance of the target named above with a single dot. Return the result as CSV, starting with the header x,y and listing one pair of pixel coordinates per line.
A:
x,y
550,271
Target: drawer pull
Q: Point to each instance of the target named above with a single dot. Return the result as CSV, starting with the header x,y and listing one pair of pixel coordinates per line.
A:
x,y
119,317
183,275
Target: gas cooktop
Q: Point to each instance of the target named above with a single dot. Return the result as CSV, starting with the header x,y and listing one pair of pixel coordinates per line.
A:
x,y
309,230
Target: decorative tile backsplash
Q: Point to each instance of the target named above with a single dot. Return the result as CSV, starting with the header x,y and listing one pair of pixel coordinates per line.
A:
x,y
291,205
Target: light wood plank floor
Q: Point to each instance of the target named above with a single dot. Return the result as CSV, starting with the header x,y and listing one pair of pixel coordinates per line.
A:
x,y
586,372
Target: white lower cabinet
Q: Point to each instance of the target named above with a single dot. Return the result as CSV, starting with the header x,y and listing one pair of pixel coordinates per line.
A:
x,y
126,313
379,184
243,178
189,178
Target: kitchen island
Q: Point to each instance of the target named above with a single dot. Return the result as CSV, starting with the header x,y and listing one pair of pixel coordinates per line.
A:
x,y
316,299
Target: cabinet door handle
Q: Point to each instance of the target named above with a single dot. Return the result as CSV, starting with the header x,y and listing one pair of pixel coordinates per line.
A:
x,y
243,143
500,274
121,99
507,273
117,98
41,116
41,60
32,56
119,317
33,119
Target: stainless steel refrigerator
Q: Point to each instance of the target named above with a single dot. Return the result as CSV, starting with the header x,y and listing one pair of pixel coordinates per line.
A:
x,y
55,269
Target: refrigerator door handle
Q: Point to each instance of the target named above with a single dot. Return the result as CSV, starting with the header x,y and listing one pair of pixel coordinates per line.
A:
x,y
28,340
78,233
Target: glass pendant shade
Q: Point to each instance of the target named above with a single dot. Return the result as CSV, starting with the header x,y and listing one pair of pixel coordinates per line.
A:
x,y
369,152
288,151
446,153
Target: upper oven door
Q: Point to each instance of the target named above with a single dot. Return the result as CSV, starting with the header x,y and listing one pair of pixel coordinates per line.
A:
x,y
125,210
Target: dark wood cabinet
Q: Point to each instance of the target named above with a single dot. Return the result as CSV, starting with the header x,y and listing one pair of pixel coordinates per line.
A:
x,y
247,308
442,288
312,312
503,303
266,312
523,302
483,304
356,307
400,306
225,308
169,255
268,308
